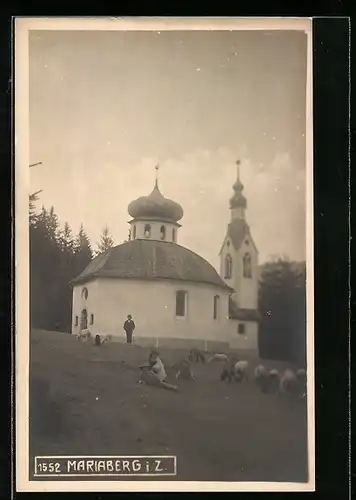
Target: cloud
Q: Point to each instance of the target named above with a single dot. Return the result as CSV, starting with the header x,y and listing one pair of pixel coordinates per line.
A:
x,y
201,181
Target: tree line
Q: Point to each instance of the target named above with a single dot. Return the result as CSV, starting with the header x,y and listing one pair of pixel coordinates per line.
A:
x,y
282,307
57,256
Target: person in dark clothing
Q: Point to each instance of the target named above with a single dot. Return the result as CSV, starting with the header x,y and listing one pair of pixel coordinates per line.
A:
x,y
129,327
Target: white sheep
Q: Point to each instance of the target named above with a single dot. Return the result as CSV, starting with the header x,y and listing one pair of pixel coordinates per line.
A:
x,y
260,371
105,339
240,371
185,371
289,383
218,357
261,376
84,335
272,383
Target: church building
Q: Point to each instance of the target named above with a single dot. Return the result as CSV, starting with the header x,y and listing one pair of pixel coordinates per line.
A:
x,y
175,297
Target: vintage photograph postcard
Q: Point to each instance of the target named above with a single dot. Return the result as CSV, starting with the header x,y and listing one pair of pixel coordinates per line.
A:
x,y
164,254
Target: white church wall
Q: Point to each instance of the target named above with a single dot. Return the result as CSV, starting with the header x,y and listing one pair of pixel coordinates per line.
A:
x,y
248,287
152,305
79,303
248,340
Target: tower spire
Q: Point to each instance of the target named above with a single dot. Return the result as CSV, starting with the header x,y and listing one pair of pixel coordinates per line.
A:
x,y
238,201
238,163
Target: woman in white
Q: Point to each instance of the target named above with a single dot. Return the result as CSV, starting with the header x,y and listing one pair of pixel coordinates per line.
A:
x,y
157,367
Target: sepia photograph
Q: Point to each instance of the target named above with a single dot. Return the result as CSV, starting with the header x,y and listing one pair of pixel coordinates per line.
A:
x,y
164,254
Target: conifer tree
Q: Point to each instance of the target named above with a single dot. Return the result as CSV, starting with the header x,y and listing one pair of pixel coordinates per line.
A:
x,y
106,241
82,251
66,239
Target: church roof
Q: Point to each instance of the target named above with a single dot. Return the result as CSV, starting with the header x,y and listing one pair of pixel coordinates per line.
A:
x,y
237,230
242,314
151,260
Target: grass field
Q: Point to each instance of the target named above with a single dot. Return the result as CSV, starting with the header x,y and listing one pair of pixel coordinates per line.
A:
x,y
85,400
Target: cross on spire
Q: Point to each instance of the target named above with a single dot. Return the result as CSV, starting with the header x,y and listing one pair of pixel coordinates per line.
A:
x,y
157,169
238,163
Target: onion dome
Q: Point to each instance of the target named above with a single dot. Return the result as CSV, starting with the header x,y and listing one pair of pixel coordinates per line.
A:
x,y
238,199
155,206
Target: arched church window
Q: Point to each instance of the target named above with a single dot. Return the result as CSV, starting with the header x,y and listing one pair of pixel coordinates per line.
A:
x,y
228,266
247,271
134,233
181,303
147,230
163,232
84,320
85,293
216,306
174,233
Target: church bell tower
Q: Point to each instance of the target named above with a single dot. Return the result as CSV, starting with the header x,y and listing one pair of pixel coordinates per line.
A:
x,y
239,255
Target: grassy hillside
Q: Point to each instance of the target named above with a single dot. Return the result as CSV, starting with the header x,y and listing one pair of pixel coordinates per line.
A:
x,y
85,400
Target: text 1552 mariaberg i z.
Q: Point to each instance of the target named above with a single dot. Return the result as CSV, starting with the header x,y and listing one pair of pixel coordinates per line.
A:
x,y
105,466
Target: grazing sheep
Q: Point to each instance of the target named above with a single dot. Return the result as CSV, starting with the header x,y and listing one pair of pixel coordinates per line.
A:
x,y
196,355
184,371
218,357
261,377
272,382
84,335
227,372
289,383
260,371
240,372
105,339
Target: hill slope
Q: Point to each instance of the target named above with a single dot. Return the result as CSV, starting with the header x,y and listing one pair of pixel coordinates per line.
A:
x,y
86,400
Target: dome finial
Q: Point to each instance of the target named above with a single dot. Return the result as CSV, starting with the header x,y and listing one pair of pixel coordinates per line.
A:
x,y
238,186
238,163
157,168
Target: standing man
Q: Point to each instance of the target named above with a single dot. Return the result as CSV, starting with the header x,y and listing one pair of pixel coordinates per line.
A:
x,y
129,327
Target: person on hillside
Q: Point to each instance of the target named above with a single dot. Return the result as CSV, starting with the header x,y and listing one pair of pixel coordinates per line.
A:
x,y
129,327
157,367
154,373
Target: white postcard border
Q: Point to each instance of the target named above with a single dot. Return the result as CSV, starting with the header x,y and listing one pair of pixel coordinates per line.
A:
x,y
22,177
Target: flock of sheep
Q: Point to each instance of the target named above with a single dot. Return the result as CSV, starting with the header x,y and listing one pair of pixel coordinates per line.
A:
x,y
85,336
269,381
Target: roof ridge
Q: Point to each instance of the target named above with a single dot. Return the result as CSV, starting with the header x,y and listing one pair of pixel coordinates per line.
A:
x,y
150,259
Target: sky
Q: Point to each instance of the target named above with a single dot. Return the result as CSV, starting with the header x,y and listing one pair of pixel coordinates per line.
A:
x,y
106,107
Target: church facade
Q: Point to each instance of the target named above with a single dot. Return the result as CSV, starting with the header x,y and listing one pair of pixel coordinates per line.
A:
x,y
175,297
